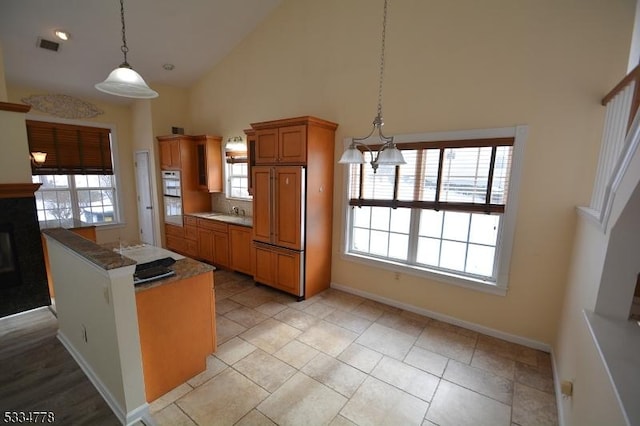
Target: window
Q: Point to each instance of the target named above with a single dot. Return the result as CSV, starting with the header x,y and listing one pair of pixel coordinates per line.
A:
x,y
77,181
444,212
87,198
237,175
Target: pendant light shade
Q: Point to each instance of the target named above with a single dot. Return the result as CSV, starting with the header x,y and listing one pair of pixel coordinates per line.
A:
x,y
352,155
124,81
391,155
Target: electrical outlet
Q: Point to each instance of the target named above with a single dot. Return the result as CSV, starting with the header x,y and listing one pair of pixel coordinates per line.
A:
x,y
396,275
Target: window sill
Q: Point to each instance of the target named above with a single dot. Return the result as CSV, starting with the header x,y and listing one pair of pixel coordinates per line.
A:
x,y
457,280
618,343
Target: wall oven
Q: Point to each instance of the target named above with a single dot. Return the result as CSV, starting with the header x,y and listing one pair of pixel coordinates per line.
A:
x,y
172,194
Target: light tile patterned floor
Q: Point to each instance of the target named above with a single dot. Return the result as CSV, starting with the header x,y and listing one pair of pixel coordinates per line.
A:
x,y
340,359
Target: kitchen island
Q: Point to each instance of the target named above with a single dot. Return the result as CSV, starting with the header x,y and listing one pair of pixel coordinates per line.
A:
x,y
135,343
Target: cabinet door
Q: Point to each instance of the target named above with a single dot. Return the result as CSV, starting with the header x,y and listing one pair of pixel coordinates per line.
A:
x,y
170,154
292,144
221,249
251,158
266,146
264,263
262,203
240,249
288,272
209,164
288,205
205,244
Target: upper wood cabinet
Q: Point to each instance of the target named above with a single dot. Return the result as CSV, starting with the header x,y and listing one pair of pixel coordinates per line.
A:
x,y
282,145
251,157
170,154
209,163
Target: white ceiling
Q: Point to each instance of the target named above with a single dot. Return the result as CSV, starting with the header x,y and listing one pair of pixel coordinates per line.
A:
x,y
193,35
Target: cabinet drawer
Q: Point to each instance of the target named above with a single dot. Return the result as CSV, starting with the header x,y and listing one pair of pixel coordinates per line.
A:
x,y
190,220
191,233
176,244
214,225
176,231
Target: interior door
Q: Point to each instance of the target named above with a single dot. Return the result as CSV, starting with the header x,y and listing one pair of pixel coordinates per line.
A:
x,y
262,214
289,207
145,204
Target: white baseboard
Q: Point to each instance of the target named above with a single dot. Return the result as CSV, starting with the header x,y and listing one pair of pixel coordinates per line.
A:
x,y
446,318
126,418
556,385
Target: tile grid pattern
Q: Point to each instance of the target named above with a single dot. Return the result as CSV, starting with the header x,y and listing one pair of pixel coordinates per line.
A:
x,y
341,359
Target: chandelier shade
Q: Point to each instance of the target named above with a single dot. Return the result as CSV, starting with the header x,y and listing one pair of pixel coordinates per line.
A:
x,y
124,81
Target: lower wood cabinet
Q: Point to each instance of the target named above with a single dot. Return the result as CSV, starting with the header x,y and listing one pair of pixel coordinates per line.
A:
x,y
216,242
278,267
240,258
213,242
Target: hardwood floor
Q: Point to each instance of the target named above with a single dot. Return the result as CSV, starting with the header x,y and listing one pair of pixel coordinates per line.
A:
x,y
38,374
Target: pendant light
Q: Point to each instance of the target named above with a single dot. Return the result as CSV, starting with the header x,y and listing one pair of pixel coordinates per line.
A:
x,y
388,153
124,81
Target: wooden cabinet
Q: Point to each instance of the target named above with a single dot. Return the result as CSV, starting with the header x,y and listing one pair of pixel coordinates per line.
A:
x,y
292,181
176,323
175,240
170,154
209,163
279,198
251,157
213,242
191,236
240,258
282,145
278,267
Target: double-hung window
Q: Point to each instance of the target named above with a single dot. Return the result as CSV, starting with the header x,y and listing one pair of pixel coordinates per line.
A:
x,y
237,175
442,213
77,178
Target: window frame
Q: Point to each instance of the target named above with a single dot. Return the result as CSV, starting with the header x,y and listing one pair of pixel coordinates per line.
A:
x,y
118,212
243,158
505,237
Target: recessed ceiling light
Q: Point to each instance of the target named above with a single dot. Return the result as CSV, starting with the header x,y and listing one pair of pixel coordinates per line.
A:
x,y
62,35
168,67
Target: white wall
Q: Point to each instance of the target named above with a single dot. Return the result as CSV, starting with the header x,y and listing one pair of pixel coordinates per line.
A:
x,y
100,305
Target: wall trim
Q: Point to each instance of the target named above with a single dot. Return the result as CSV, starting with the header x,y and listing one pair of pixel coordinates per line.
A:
x,y
558,392
126,418
446,318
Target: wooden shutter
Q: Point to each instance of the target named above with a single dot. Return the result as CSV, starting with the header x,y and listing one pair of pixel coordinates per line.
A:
x,y
70,149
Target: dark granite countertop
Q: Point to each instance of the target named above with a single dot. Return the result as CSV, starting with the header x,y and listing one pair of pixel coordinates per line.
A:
x,y
98,255
105,257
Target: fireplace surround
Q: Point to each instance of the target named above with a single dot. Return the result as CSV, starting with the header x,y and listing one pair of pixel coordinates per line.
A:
x,y
23,279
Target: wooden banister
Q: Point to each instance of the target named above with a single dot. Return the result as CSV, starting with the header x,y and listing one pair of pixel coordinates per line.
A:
x,y
634,75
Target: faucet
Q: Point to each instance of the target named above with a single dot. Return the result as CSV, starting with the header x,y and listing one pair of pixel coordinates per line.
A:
x,y
235,210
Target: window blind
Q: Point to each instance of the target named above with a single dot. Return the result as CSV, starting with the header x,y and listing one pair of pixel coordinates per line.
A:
x,y
70,149
463,175
234,157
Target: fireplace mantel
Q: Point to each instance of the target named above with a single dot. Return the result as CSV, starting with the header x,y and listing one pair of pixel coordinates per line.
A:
x,y
18,190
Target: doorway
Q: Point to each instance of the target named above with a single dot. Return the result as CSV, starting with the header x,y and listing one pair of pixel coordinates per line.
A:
x,y
145,204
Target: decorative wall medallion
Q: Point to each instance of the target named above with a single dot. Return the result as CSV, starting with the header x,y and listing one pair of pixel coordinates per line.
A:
x,y
63,106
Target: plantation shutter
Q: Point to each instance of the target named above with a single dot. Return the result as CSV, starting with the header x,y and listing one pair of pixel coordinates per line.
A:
x,y
70,149
463,175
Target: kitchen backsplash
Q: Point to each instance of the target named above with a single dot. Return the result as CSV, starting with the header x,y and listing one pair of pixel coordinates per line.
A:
x,y
220,203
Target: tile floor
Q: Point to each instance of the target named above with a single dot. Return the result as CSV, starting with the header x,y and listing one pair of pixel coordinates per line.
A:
x,y
340,359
